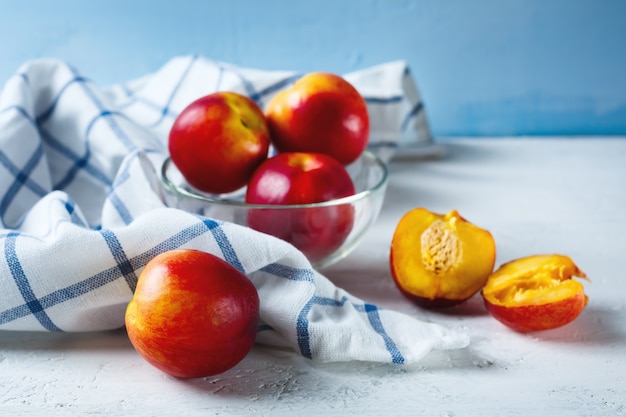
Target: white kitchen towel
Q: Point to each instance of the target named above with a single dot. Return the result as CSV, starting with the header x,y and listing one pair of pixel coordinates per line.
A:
x,y
81,208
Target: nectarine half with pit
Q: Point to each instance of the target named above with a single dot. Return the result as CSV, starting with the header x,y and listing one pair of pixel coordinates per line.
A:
x,y
439,260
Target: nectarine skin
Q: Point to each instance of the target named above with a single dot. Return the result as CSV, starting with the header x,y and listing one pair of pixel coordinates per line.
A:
x,y
532,318
321,112
192,314
218,141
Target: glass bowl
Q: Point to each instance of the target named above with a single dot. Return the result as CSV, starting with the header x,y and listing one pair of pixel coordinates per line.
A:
x,y
325,232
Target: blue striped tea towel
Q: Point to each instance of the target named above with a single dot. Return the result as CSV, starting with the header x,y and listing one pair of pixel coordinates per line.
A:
x,y
81,212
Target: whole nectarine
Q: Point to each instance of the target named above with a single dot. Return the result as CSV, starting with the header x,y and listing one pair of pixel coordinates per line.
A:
x,y
302,178
321,112
218,141
192,314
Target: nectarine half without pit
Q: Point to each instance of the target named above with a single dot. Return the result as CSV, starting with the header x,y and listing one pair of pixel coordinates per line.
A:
x,y
535,293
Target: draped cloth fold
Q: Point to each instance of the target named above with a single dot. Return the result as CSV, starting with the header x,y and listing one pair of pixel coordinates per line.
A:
x,y
82,209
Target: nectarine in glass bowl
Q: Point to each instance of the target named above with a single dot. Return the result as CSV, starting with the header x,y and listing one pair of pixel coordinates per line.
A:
x,y
325,232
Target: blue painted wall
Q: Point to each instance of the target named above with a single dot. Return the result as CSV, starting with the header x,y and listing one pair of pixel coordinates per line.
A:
x,y
485,67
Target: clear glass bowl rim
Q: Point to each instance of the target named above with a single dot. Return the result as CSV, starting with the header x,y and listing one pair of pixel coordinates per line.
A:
x,y
361,195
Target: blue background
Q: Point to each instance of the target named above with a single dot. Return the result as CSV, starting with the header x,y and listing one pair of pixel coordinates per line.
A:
x,y
484,67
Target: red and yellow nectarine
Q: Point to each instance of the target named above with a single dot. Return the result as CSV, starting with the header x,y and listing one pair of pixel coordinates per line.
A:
x,y
535,292
321,112
218,141
301,178
192,314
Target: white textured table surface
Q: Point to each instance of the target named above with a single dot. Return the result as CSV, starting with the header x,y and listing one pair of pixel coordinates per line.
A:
x,y
534,195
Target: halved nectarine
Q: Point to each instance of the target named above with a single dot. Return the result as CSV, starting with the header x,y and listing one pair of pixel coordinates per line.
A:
x,y
440,260
535,293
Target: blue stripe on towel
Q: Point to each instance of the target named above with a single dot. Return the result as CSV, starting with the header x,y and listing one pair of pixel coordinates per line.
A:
x,y
21,280
165,110
127,269
124,267
374,319
417,108
222,240
21,177
302,325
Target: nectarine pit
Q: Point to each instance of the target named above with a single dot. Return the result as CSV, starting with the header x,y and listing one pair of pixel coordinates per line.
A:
x,y
441,248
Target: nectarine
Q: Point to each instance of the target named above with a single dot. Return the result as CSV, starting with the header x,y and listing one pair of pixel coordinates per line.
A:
x,y
440,260
192,314
535,292
218,141
302,178
321,112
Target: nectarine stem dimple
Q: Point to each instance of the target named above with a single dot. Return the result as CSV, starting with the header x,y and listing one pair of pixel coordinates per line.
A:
x,y
441,248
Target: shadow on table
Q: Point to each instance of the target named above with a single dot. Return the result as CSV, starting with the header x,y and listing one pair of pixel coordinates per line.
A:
x,y
469,150
62,341
474,307
594,326
283,375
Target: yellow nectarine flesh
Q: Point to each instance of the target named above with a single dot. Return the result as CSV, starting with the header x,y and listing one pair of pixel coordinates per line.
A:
x,y
535,292
440,260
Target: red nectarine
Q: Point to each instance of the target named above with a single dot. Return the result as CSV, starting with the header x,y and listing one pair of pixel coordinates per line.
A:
x,y
299,178
192,314
321,112
218,141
